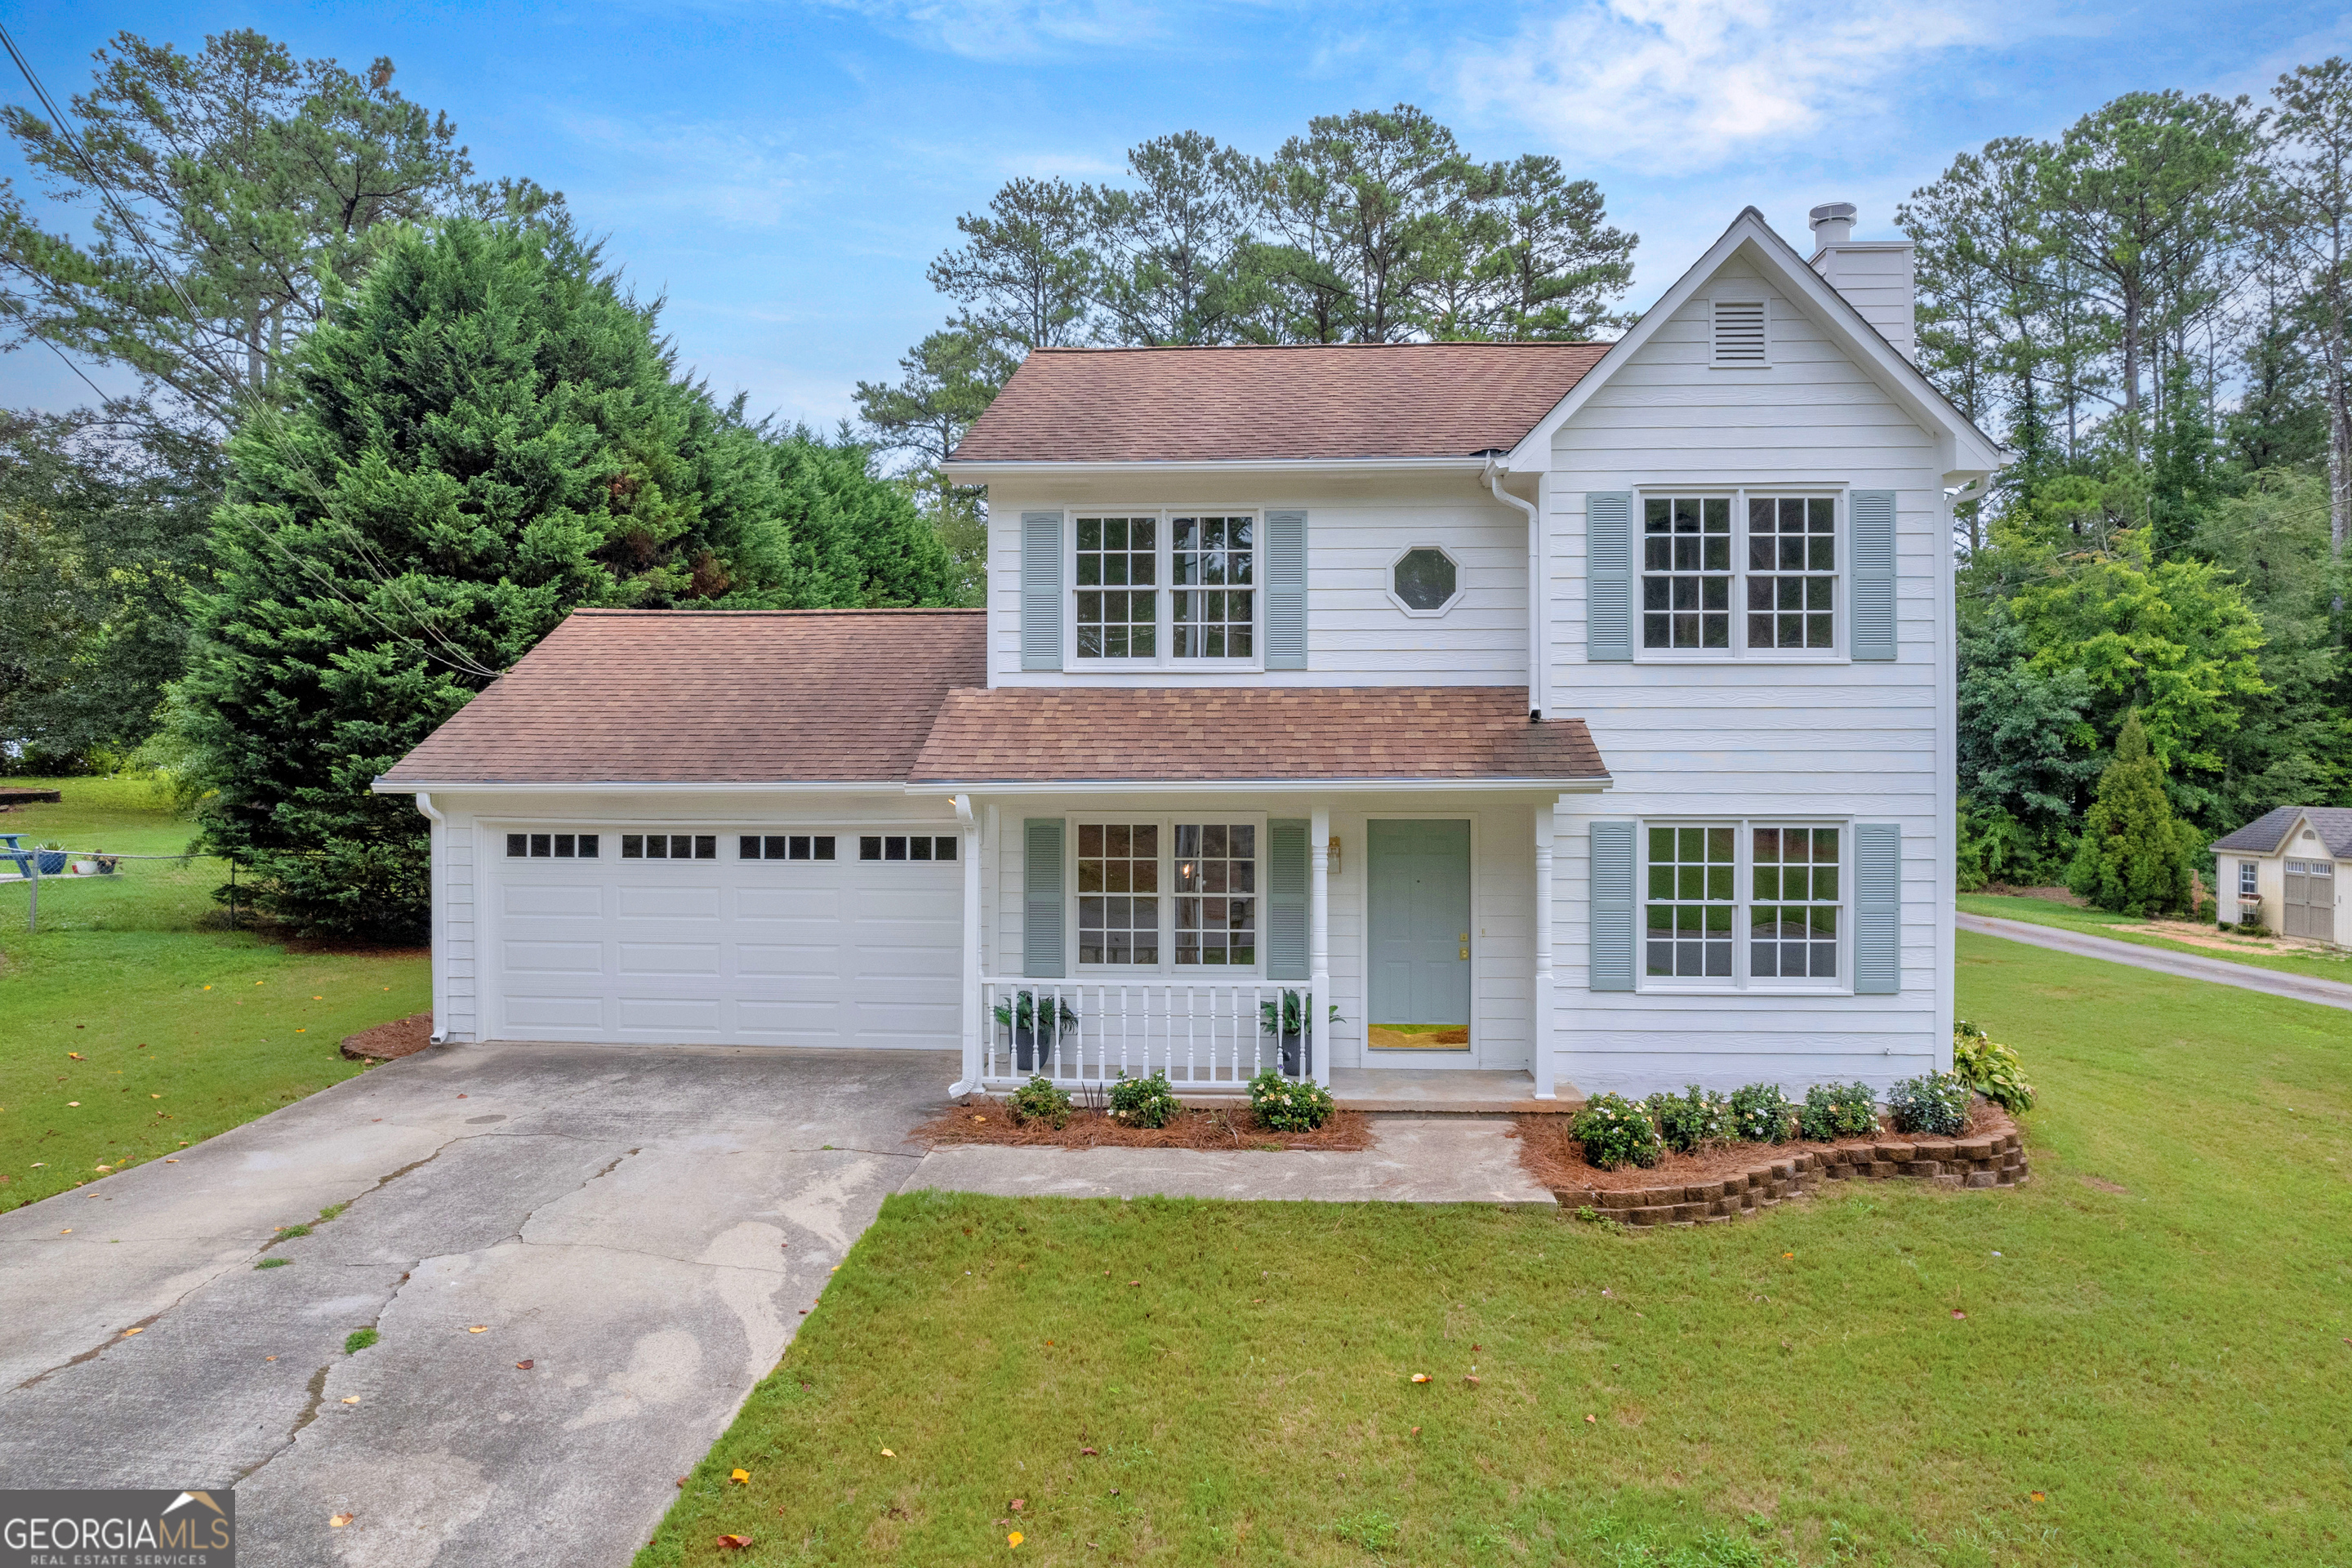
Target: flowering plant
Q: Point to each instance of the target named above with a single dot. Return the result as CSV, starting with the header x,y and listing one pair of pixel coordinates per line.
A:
x,y
1615,1131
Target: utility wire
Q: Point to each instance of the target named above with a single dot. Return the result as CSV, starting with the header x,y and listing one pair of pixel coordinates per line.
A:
x,y
463,662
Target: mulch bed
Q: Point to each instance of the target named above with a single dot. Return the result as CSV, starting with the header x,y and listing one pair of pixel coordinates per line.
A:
x,y
1557,1160
988,1121
400,1037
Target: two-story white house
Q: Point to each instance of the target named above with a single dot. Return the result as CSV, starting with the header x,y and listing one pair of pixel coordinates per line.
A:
x,y
1578,716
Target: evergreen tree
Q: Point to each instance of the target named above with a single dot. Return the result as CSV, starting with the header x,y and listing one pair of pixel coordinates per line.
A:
x,y
482,436
2134,857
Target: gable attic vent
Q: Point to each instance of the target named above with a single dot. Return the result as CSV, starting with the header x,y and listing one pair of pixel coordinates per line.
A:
x,y
1739,332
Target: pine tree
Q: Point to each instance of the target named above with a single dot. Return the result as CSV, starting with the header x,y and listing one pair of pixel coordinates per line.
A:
x,y
482,436
2134,855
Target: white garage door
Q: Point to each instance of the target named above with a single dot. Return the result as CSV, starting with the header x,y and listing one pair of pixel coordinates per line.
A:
x,y
710,945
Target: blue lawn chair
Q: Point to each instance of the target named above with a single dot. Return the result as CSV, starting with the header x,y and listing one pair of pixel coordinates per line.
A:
x,y
12,848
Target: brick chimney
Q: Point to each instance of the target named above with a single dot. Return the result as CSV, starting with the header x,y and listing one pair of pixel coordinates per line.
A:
x,y
1875,275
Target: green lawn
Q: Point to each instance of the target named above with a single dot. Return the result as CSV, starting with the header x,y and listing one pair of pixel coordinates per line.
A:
x,y
183,1028
2125,928
2155,1342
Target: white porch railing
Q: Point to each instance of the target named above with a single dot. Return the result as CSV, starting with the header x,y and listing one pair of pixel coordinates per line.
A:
x,y
1205,1035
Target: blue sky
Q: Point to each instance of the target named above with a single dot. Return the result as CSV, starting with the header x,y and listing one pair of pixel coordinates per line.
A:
x,y
784,172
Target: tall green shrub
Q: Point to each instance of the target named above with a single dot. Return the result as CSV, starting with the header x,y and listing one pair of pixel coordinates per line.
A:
x,y
2134,856
482,436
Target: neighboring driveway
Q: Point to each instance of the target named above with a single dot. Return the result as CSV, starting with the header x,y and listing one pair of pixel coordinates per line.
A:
x,y
2188,966
643,1226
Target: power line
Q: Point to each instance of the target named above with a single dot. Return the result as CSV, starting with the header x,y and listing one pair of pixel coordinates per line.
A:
x,y
463,662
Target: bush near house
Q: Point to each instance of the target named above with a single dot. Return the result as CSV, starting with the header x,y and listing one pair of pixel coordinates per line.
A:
x,y
1760,1113
1616,1132
1144,1101
1694,1119
1040,1100
1289,1105
1934,1103
1834,1111
1991,1070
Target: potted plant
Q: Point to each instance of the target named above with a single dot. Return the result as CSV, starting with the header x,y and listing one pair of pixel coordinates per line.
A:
x,y
1034,1025
1291,1030
85,865
51,858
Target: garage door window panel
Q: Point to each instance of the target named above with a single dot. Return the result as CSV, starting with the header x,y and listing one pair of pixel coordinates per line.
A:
x,y
785,846
551,846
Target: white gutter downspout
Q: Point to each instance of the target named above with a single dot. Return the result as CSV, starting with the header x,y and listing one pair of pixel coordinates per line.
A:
x,y
433,864
1494,478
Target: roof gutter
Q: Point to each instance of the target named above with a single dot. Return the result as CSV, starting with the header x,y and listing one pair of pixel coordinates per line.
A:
x,y
1494,478
1259,786
421,787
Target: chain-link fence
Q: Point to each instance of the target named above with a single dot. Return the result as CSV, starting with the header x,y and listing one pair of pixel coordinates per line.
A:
x,y
53,886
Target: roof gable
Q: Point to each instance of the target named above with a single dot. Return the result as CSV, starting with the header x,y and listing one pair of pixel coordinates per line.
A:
x,y
1308,403
2280,831
1963,448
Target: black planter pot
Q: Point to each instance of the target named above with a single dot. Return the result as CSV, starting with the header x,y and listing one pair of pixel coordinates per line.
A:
x,y
1294,1061
1030,1053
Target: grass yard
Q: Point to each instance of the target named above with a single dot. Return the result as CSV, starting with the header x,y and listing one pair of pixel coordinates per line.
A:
x,y
2260,954
2154,1365
181,1032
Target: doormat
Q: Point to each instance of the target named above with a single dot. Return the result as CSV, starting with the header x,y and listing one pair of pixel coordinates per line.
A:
x,y
1418,1036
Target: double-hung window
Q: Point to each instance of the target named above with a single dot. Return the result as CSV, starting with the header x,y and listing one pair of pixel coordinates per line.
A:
x,y
1741,575
2250,880
1165,588
1744,905
1174,896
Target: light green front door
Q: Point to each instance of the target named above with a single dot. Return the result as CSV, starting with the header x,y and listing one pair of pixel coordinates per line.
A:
x,y
1420,936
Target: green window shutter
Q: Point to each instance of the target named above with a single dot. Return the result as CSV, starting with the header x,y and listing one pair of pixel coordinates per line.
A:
x,y
1608,575
1044,953
1612,907
1285,590
1871,634
1041,591
1877,908
1286,899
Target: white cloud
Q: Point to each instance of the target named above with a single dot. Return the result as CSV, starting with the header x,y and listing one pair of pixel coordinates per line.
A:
x,y
1674,85
719,173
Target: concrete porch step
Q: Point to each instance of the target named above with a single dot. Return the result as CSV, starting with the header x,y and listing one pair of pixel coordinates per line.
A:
x,y
1438,1091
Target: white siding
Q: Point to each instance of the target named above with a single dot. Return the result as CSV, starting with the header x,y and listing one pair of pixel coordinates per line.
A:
x,y
1356,527
1870,741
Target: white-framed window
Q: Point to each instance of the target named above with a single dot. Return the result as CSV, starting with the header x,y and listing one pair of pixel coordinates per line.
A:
x,y
1424,580
1741,573
2250,880
1173,587
1743,904
1168,894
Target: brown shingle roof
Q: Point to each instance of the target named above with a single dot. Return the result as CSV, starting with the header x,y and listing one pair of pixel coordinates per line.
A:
x,y
1365,400
711,695
1049,734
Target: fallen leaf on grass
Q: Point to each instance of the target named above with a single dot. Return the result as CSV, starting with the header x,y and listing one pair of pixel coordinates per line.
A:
x,y
1420,1377
740,1477
888,1454
1958,1313
337,1521
734,1542
1013,1539
681,1481
2037,1497
1086,1451
522,1366
1018,1505
1592,1420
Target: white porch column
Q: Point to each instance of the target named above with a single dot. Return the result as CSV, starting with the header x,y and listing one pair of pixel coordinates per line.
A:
x,y
1546,822
1318,940
968,832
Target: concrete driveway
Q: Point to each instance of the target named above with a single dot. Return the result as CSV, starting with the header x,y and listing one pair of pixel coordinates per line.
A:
x,y
642,1225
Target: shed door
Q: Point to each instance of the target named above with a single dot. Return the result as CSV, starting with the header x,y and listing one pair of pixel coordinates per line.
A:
x,y
726,949
2310,899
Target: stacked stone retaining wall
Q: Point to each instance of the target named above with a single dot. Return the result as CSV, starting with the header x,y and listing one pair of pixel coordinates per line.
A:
x,y
1986,1160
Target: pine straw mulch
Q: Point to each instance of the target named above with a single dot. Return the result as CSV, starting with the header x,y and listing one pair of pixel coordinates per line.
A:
x,y
400,1037
988,1121
1557,1160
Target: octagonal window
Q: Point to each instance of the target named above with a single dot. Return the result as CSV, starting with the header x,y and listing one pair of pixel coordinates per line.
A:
x,y
1426,578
